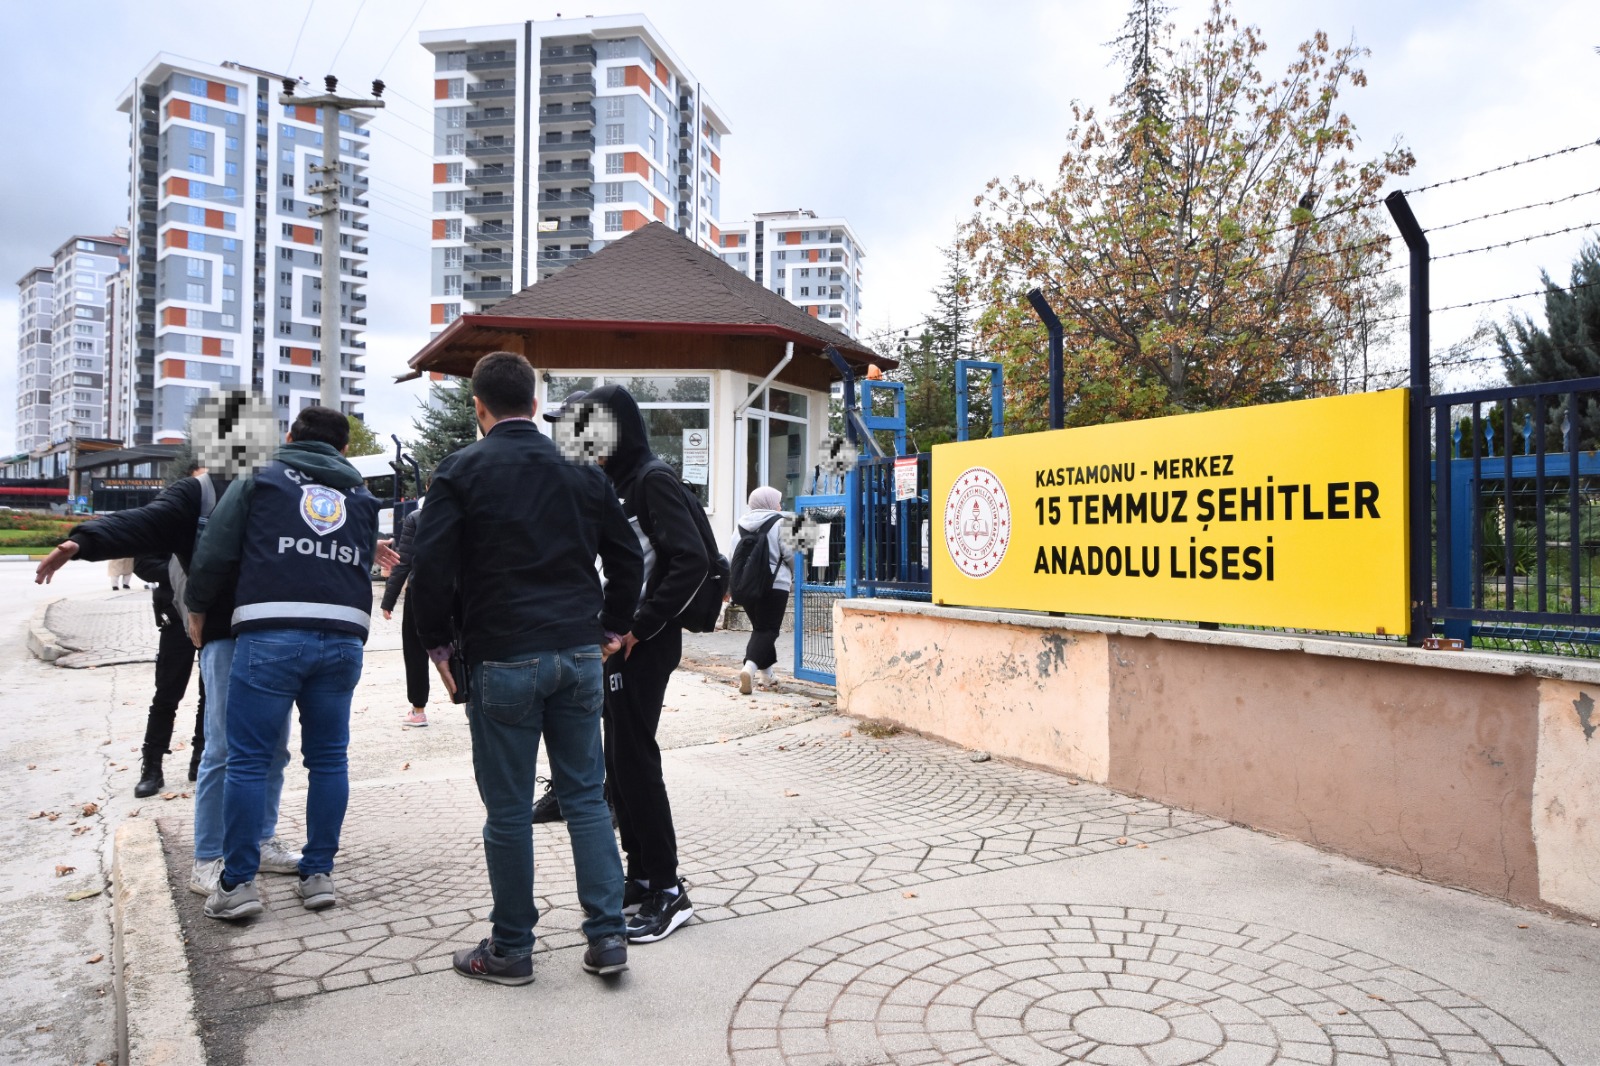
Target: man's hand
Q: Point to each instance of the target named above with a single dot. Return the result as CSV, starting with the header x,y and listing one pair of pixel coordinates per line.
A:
x,y
388,558
610,648
387,614
55,561
628,641
445,677
197,626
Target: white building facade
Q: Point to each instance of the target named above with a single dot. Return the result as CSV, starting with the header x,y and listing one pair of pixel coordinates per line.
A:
x,y
814,263
226,260
35,333
552,138
84,268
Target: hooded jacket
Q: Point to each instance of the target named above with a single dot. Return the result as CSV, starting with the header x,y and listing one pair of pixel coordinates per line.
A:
x,y
780,558
658,509
300,554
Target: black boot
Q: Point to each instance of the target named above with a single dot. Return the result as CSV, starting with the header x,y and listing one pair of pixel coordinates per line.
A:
x,y
150,779
194,764
547,808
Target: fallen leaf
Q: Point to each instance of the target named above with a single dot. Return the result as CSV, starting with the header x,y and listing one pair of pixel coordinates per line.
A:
x,y
36,814
83,893
183,795
33,766
179,745
90,808
62,871
847,733
135,812
909,895
1380,999
407,766
1344,1012
791,793
96,957
169,795
1522,927
43,1028
81,829
783,747
52,816
722,740
1122,840
1144,845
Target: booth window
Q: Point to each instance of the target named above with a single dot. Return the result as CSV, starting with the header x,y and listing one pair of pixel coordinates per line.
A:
x,y
776,451
670,405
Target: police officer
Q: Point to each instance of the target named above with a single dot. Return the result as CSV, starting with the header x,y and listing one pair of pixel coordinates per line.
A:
x,y
300,537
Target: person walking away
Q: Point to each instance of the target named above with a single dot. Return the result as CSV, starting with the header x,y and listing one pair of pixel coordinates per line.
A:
x,y
120,569
503,575
771,570
171,523
175,654
297,540
414,655
676,564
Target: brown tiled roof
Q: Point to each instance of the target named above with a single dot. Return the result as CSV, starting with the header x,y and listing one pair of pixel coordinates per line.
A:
x,y
656,275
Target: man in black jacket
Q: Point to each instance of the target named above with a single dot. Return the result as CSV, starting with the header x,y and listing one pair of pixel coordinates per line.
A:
x,y
636,681
504,570
412,652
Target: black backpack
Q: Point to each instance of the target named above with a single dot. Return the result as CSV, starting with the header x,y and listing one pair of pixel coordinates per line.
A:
x,y
704,608
752,577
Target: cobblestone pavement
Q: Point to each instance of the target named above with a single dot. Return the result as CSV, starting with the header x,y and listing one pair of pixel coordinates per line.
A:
x,y
1050,984
104,630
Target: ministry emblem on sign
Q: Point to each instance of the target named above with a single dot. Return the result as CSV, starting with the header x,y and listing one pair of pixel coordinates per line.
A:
x,y
977,522
322,508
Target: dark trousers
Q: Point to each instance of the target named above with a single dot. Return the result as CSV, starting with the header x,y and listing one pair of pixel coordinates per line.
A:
x,y
416,658
174,663
635,689
766,618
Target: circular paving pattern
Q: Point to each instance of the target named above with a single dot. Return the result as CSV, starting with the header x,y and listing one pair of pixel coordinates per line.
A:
x,y
1050,984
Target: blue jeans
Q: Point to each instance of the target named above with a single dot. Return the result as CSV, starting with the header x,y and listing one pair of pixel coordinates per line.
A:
x,y
556,694
216,663
273,669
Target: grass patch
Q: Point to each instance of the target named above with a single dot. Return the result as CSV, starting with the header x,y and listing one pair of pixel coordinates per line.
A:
x,y
877,728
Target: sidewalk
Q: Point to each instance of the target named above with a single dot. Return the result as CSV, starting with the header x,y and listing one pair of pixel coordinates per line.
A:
x,y
867,899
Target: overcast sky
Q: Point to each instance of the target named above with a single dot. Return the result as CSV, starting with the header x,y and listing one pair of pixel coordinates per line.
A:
x,y
892,115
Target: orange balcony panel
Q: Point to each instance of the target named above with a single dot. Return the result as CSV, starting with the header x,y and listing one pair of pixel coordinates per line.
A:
x,y
300,356
635,77
441,173
662,75
306,114
215,90
815,254
177,186
792,237
661,211
177,238
174,316
214,219
438,314
716,162
173,368
441,89
439,229
632,220
178,109
304,235
210,345
716,236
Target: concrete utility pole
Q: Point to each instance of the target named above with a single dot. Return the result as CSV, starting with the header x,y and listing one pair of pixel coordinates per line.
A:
x,y
332,107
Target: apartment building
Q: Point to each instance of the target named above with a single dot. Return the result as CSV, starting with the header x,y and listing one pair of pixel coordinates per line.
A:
x,y
35,333
226,260
552,138
80,334
814,263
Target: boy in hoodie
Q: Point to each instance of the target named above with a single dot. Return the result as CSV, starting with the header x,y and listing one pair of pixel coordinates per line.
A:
x,y
298,539
636,681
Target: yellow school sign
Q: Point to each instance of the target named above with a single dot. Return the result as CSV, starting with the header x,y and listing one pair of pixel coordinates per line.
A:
x,y
1289,515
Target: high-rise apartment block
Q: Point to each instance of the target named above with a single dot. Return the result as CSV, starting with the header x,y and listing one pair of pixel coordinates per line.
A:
x,y
814,263
80,336
35,332
226,264
552,138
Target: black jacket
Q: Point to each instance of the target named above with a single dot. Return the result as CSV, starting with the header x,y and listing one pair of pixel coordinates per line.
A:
x,y
505,550
404,545
167,524
658,508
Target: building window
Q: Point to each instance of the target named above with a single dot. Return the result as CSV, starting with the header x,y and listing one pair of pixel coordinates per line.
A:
x,y
613,221
452,258
196,268
452,312
616,106
286,303
455,144
614,133
454,201
452,284
455,89
613,162
452,229
229,295
194,292
615,49
455,118
614,77
452,173
197,139
613,193
197,164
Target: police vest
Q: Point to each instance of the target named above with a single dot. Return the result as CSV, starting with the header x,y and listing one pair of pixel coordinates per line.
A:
x,y
307,553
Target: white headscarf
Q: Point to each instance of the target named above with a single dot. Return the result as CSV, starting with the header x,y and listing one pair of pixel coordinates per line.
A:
x,y
766,498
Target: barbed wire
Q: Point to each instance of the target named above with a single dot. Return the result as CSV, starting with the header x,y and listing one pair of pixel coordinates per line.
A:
x,y
1502,167
1512,210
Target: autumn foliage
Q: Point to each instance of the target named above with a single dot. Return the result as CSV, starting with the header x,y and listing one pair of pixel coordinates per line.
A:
x,y
1211,243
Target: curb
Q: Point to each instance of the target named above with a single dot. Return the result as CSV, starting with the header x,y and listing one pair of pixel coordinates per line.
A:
x,y
156,1017
41,641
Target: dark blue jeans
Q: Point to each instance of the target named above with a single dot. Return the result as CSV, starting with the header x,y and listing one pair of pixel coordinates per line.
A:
x,y
555,694
274,669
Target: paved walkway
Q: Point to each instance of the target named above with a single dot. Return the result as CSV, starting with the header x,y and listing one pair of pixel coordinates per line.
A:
x,y
870,900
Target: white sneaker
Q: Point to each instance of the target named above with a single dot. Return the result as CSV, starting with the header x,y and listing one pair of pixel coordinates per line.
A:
x,y
747,677
206,877
767,680
276,858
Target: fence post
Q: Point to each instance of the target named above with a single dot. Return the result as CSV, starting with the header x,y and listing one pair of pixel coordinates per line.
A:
x,y
1052,325
1420,416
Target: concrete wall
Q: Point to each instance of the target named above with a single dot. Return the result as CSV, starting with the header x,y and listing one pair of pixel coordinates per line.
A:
x,y
1470,769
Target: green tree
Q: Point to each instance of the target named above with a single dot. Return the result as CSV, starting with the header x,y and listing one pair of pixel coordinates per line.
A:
x,y
928,362
1206,245
1565,347
362,440
447,423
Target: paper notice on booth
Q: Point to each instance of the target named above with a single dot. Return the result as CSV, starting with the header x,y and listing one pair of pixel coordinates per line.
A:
x,y
820,552
697,456
905,479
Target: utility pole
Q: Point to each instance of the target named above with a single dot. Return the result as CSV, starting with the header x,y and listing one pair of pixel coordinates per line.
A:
x,y
332,107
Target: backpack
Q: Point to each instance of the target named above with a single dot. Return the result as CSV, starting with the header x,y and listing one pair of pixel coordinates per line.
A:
x,y
751,576
704,608
177,574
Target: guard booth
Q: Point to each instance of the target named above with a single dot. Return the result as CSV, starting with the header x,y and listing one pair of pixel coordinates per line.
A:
x,y
733,380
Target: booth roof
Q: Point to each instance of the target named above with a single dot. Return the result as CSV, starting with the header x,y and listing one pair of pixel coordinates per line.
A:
x,y
633,292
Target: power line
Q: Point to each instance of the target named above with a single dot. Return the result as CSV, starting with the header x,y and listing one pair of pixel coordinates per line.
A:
x,y
1513,210
289,69
402,37
347,33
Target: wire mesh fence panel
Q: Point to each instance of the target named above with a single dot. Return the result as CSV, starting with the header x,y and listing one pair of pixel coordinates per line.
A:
x,y
896,516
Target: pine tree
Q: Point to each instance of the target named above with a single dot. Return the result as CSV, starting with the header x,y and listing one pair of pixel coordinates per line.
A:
x,y
928,365
362,440
447,424
1567,346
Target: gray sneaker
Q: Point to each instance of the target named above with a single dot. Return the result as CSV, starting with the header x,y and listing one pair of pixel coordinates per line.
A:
x,y
235,904
276,858
204,880
316,891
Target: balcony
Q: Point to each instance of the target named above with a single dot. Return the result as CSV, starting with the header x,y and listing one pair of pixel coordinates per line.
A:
x,y
492,90
149,128
149,155
578,231
565,85
488,234
490,205
491,149
491,61
485,262
684,132
560,56
494,288
576,115
493,118
575,142
572,202
558,259
488,177
567,174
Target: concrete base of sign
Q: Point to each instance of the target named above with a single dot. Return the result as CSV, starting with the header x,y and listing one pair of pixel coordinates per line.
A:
x,y
1474,769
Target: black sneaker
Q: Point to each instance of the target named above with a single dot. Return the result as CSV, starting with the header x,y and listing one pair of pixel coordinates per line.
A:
x,y
659,914
194,764
150,779
547,808
633,894
483,963
606,956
